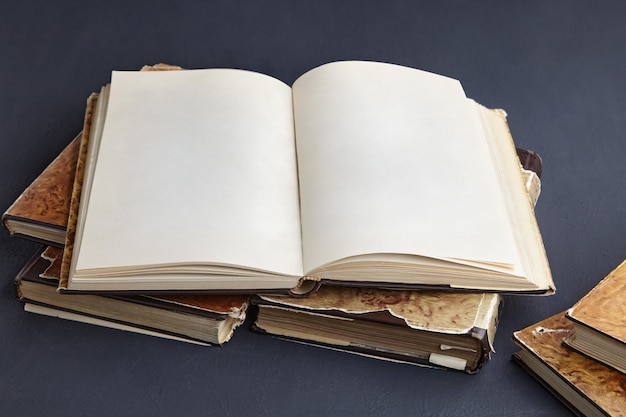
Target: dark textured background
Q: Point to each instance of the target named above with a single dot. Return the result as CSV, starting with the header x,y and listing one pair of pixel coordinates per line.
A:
x,y
558,68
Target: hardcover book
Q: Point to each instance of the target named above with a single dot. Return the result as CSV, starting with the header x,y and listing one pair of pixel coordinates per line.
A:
x,y
599,321
358,174
429,328
41,212
587,387
204,319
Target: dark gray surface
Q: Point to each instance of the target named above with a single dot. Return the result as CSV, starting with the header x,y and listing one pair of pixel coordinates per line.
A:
x,y
558,68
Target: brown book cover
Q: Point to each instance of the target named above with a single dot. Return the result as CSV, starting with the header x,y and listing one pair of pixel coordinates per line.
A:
x,y
587,387
599,320
208,319
40,213
429,328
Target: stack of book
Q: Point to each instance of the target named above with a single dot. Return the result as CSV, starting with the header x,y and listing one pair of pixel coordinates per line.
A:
x,y
580,354
370,207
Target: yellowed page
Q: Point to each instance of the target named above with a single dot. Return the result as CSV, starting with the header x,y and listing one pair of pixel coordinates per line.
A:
x,y
195,167
392,160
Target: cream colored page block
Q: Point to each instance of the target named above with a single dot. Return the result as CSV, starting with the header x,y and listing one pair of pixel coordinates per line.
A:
x,y
392,159
195,166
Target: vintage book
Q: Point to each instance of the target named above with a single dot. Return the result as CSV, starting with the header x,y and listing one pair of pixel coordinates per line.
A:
x,y
358,174
586,386
599,320
41,212
205,319
429,328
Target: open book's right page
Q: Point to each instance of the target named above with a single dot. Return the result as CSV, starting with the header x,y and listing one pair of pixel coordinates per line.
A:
x,y
393,160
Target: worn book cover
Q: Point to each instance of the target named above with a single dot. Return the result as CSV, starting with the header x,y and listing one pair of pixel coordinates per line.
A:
x,y
209,319
40,213
599,320
429,328
586,386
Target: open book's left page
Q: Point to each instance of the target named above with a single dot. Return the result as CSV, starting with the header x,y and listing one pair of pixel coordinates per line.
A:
x,y
194,167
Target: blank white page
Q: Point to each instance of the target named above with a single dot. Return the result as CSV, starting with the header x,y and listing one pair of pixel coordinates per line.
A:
x,y
195,166
392,160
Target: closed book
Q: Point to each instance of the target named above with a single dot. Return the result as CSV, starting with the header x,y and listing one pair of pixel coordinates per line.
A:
x,y
599,321
41,212
204,319
429,328
587,387
242,183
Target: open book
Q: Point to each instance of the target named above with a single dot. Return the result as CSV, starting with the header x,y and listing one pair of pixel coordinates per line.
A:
x,y
362,172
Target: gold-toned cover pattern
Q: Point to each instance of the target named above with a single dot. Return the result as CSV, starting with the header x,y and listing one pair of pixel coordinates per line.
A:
x,y
47,198
602,385
440,311
604,307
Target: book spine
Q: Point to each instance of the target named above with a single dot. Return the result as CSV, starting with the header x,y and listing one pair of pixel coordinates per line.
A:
x,y
76,192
